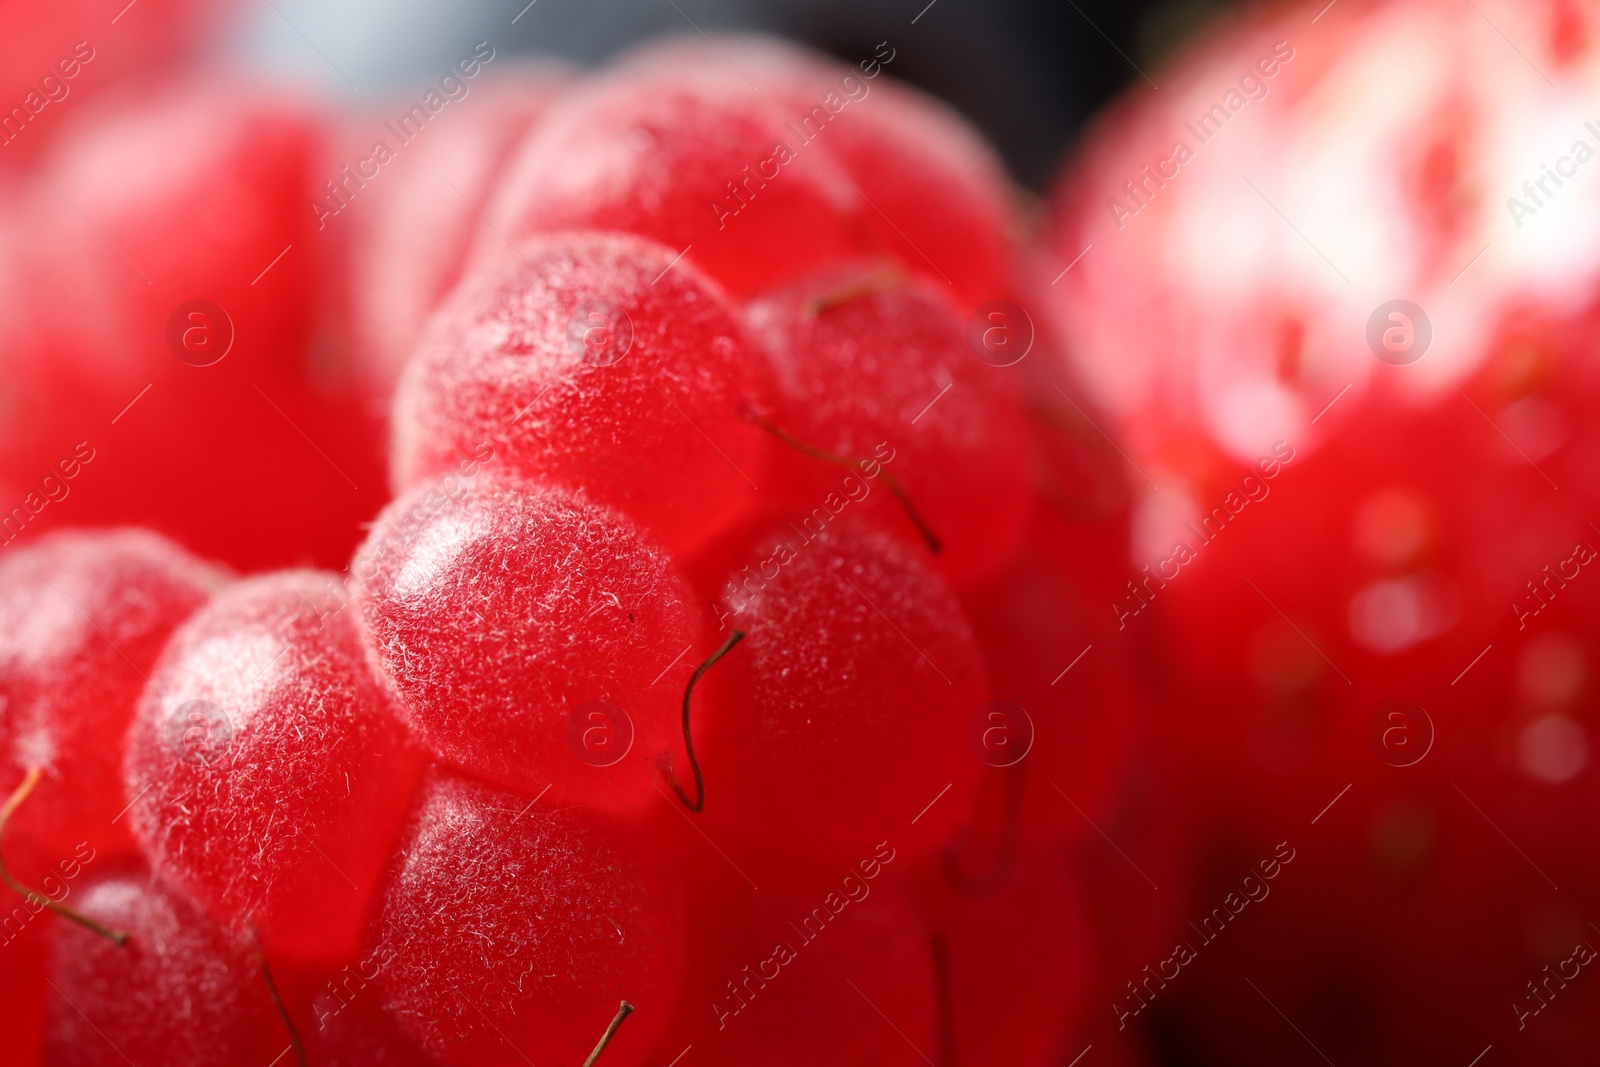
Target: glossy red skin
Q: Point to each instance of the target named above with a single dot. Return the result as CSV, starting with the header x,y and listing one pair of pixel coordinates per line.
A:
x,y
496,613
868,372
651,152
661,434
83,616
942,211
190,191
182,991
412,228
826,726
837,926
583,911
287,817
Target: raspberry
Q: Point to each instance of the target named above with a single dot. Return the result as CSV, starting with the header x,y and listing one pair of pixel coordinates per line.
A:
x,y
872,368
654,154
843,714
422,788
648,418
269,770
583,912
82,618
1368,524
506,617
414,228
144,1000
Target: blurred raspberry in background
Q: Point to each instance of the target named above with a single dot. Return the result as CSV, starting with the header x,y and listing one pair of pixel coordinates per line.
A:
x,y
1335,285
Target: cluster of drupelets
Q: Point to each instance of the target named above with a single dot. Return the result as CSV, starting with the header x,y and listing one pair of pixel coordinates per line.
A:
x,y
707,665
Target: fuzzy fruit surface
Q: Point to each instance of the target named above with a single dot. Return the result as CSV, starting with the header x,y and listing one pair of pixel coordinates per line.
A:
x,y
183,991
83,616
583,911
506,617
271,772
587,362
888,365
843,713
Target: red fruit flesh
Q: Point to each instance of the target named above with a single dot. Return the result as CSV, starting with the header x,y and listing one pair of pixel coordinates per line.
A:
x,y
183,992
83,617
507,616
430,790
508,929
592,361
844,712
270,770
870,368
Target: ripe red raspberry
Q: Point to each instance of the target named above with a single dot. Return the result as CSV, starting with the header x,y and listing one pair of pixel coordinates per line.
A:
x,y
83,616
423,789
532,638
411,230
1363,521
872,369
843,714
582,911
591,361
183,991
269,770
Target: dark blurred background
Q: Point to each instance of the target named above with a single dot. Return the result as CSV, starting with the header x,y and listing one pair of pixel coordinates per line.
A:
x,y
1028,73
